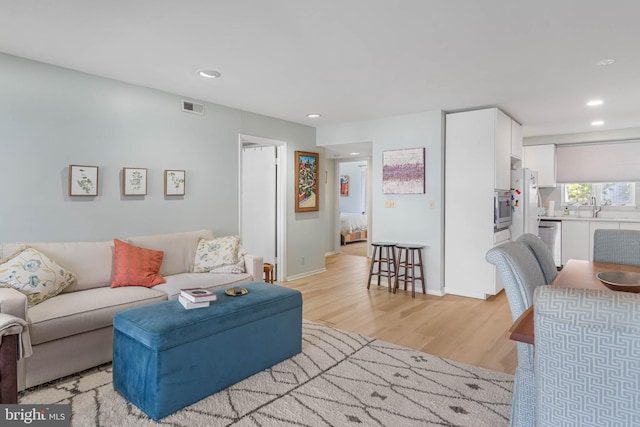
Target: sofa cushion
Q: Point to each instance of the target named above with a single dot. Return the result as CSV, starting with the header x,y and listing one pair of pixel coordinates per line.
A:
x,y
200,280
92,262
213,253
77,312
179,249
134,266
34,274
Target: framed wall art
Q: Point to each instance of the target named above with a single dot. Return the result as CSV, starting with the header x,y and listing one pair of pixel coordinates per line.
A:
x,y
174,182
134,181
344,185
403,171
83,180
307,189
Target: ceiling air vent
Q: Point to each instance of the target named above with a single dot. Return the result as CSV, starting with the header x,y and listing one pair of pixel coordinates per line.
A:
x,y
192,107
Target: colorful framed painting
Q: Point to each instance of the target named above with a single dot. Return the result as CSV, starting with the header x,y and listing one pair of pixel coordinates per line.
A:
x,y
307,189
403,171
83,180
344,185
174,182
134,181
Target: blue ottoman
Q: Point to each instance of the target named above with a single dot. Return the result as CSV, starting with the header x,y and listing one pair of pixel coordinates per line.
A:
x,y
166,357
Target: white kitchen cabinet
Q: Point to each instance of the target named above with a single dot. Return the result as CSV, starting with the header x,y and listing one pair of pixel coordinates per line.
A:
x,y
477,161
575,240
541,158
597,225
630,226
516,139
502,147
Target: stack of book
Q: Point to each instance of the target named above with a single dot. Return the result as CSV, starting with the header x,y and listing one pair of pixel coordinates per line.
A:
x,y
196,298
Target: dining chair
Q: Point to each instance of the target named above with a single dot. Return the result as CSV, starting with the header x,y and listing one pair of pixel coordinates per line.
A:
x,y
542,254
617,246
586,358
521,274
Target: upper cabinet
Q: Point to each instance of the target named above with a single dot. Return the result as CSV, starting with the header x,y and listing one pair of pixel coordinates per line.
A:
x,y
502,151
516,139
542,158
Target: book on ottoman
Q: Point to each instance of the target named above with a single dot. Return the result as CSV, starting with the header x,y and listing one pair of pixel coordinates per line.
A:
x,y
189,305
198,294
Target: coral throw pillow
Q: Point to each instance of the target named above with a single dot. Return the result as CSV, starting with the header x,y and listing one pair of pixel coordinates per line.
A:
x,y
134,266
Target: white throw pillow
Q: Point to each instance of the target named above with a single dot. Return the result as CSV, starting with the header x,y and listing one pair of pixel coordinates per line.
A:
x,y
236,268
35,275
213,253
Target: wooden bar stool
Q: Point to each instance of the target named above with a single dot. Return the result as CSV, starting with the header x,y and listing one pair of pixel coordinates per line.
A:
x,y
384,257
407,267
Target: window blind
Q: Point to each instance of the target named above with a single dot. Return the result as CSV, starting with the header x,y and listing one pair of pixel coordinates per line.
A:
x,y
602,162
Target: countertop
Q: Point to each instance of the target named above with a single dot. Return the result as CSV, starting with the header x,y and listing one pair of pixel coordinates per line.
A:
x,y
575,218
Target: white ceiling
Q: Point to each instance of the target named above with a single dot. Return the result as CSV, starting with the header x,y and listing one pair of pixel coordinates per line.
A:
x,y
354,60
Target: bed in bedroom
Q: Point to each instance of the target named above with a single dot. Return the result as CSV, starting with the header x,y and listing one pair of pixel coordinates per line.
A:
x,y
353,227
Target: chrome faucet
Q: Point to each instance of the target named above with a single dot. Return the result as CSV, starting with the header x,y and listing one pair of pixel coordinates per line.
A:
x,y
593,203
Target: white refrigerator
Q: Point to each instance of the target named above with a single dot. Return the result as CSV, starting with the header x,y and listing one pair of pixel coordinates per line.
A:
x,y
525,203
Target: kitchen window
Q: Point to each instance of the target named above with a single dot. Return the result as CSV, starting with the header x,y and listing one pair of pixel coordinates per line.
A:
x,y
607,193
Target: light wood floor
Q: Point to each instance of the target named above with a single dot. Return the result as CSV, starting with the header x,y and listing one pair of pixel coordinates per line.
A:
x,y
457,328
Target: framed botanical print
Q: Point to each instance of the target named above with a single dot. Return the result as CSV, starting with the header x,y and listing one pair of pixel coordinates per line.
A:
x,y
134,181
83,180
174,182
307,189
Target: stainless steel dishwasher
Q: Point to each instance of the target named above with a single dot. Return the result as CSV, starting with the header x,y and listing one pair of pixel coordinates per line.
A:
x,y
550,231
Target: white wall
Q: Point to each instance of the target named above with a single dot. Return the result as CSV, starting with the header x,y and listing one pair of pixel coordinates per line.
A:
x,y
412,220
51,117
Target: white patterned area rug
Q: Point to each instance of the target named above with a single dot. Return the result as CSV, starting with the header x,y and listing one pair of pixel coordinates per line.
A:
x,y
339,379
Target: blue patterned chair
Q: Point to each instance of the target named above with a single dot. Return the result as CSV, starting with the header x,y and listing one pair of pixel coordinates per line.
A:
x,y
521,274
587,359
544,257
617,246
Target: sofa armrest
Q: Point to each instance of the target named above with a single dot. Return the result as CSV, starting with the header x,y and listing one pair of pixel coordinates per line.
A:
x,y
254,266
13,302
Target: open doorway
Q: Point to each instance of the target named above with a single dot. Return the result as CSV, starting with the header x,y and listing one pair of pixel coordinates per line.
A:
x,y
262,197
353,190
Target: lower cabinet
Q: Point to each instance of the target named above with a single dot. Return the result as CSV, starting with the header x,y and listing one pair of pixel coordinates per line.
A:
x,y
577,237
575,240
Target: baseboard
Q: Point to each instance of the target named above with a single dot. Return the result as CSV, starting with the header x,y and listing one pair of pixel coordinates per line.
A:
x,y
331,253
307,274
465,293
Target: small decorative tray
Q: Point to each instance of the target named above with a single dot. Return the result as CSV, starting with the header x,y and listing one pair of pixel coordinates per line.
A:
x,y
236,292
625,281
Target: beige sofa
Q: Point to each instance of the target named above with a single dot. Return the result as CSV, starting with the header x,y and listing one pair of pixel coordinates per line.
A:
x,y
73,330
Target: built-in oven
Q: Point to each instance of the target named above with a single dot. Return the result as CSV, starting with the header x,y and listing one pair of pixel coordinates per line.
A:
x,y
501,209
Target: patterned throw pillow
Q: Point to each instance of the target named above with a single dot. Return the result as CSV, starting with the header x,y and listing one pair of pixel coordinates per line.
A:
x,y
35,275
215,253
236,268
134,266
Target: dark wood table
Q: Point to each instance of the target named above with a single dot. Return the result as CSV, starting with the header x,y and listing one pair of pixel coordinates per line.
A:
x,y
575,274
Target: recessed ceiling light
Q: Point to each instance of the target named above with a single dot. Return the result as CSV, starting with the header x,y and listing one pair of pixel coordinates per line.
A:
x,y
597,123
209,74
594,102
607,61
314,115
353,154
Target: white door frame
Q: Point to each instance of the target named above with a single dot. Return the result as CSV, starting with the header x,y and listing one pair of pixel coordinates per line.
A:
x,y
337,201
281,212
